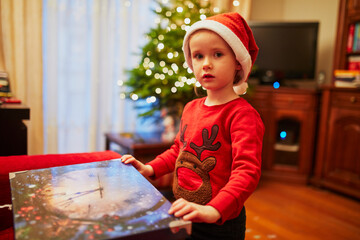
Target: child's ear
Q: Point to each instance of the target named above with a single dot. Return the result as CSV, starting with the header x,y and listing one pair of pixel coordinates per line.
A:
x,y
238,66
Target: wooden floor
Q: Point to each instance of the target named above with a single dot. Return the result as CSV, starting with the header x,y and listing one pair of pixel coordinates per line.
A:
x,y
285,211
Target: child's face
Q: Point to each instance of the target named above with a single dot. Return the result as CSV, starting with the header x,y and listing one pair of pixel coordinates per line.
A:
x,y
214,62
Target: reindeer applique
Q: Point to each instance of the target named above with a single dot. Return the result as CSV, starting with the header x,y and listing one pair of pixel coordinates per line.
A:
x,y
190,168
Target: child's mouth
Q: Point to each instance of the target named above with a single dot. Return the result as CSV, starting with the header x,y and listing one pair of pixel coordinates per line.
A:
x,y
207,76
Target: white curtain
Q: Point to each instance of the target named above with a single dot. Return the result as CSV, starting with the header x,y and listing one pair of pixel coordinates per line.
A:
x,y
87,46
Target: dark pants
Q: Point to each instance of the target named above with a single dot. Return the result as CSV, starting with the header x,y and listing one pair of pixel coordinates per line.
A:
x,y
233,229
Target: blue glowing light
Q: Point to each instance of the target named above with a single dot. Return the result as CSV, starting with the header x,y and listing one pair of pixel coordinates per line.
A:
x,y
276,85
283,135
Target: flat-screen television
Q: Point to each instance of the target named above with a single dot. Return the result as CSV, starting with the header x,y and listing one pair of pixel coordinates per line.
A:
x,y
287,50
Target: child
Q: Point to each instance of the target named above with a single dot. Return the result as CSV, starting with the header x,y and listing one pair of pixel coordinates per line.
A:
x,y
216,157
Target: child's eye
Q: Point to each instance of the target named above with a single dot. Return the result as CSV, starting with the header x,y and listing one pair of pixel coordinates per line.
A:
x,y
198,56
218,54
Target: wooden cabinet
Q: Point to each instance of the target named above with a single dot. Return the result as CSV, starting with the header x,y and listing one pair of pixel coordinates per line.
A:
x,y
13,131
349,13
289,116
338,152
338,144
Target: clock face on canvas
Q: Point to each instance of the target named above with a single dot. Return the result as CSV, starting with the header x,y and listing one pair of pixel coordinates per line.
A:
x,y
100,200
92,193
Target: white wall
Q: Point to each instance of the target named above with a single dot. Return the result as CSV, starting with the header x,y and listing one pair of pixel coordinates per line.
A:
x,y
324,11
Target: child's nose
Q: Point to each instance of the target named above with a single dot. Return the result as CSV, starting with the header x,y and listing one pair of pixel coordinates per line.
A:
x,y
207,63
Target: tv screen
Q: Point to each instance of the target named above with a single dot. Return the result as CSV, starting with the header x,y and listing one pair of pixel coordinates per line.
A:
x,y
287,50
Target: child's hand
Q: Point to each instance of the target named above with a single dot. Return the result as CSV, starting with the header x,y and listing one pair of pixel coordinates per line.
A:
x,y
145,170
194,212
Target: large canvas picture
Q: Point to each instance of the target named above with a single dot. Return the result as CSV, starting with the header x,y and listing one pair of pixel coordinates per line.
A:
x,y
101,200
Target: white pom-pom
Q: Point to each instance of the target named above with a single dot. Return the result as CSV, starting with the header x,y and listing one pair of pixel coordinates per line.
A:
x,y
241,88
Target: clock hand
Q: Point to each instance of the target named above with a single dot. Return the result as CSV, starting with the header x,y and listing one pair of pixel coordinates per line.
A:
x,y
80,194
77,195
100,187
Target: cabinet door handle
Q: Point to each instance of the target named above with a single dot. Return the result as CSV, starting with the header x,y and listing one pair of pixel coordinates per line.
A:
x,y
353,99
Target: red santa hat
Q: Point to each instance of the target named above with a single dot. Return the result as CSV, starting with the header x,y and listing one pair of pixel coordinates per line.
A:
x,y
236,32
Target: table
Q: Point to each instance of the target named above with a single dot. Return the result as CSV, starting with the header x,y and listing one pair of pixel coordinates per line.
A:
x,y
144,147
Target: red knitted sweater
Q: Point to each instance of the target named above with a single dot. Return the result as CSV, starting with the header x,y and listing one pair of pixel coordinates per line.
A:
x,y
216,155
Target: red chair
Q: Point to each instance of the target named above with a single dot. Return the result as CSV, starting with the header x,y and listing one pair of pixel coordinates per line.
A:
x,y
25,162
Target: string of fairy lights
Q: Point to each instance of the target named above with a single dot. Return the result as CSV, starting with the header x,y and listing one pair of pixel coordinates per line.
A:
x,y
171,68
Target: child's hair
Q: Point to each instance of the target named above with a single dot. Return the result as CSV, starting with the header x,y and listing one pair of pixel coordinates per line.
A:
x,y
236,32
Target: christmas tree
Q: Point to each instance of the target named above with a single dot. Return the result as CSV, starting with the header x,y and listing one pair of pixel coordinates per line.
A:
x,y
162,77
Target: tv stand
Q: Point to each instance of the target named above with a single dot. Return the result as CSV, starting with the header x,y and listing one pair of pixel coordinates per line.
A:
x,y
287,83
289,116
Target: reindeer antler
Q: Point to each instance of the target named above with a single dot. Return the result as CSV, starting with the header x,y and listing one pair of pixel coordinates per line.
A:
x,y
207,142
182,134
